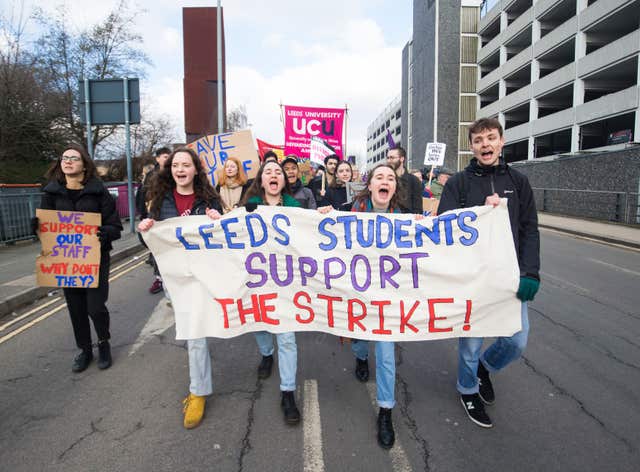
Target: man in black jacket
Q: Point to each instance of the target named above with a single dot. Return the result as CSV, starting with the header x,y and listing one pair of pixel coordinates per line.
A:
x,y
410,185
487,179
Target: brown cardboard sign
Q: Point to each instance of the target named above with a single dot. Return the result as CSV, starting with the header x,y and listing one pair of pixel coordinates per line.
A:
x,y
213,151
430,206
70,255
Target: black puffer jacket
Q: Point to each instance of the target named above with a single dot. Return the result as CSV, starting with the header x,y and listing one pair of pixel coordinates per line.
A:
x,y
168,208
94,198
479,183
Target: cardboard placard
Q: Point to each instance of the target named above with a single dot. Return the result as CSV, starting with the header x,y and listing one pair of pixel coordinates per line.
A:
x,y
430,206
434,155
214,150
70,255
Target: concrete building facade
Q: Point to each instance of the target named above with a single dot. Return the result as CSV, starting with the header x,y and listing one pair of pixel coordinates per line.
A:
x,y
377,145
560,75
439,75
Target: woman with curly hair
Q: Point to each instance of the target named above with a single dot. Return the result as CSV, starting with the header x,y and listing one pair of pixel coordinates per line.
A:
x,y
182,189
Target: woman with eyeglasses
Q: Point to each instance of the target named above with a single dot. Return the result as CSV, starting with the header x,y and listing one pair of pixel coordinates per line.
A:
x,y
73,185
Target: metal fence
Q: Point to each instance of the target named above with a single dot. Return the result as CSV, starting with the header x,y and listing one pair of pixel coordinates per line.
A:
x,y
16,211
18,206
619,207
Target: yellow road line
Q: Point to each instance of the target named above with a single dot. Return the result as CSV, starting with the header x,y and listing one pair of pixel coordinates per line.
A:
x,y
30,312
57,309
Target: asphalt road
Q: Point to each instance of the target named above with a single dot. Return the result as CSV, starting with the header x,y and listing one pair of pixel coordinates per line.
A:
x,y
570,404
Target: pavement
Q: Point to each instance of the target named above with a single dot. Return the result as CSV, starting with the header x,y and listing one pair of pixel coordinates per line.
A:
x,y
17,261
17,270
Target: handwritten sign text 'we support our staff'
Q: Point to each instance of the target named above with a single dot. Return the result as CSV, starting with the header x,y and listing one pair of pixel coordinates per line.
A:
x,y
70,249
359,275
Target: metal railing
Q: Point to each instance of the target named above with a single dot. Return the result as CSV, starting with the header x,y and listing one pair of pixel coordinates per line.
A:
x,y
16,211
613,206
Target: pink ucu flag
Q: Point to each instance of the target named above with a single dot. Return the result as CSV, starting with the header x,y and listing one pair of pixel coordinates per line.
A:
x,y
301,123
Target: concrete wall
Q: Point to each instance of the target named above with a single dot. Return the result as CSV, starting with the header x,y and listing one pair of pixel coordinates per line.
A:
x,y
448,78
612,171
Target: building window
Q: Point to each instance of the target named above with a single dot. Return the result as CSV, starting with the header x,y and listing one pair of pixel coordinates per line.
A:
x,y
469,20
468,49
398,114
467,108
398,131
468,78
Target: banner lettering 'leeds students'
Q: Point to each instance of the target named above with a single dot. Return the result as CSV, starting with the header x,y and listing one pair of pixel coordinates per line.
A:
x,y
70,254
214,149
358,275
301,123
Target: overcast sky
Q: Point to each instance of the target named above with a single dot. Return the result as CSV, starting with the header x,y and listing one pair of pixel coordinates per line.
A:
x,y
331,53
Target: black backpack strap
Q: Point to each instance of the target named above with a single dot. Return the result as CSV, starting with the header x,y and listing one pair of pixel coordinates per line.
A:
x,y
462,189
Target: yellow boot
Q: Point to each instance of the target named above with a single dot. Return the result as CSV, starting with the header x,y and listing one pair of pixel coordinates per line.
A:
x,y
193,410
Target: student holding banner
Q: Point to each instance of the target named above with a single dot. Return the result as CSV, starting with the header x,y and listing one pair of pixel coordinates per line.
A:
x,y
232,184
182,189
486,179
270,187
379,196
336,195
409,183
73,185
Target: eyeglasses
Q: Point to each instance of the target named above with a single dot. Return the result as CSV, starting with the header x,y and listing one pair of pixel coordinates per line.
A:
x,y
71,158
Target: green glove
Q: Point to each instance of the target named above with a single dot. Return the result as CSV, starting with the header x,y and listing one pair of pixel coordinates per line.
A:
x,y
528,288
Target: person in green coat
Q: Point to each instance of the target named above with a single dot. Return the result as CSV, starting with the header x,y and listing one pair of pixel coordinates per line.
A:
x,y
271,187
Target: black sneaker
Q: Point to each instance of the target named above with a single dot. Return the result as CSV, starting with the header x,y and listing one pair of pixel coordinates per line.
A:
x,y
291,412
386,435
362,370
486,388
264,369
474,408
104,355
82,361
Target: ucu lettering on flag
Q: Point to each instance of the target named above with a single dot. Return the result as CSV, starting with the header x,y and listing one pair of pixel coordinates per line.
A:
x,y
302,123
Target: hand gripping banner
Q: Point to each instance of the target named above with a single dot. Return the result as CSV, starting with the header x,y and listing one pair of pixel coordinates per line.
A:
x,y
359,275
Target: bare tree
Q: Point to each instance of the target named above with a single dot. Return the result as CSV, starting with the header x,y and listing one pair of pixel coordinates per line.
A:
x,y
237,118
109,49
29,107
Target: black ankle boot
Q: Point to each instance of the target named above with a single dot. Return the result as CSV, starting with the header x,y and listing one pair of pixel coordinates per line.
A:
x,y
386,435
104,354
362,370
82,360
291,413
264,369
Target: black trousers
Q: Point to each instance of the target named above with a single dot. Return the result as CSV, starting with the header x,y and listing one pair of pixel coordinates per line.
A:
x,y
85,303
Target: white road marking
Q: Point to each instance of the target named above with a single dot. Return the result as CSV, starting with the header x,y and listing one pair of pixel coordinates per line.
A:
x,y
399,460
312,426
161,319
26,281
615,267
562,281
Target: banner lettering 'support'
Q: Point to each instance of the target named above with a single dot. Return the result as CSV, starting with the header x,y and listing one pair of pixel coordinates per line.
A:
x,y
360,275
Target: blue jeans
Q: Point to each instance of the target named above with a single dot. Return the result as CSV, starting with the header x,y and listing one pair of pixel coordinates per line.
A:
x,y
199,367
496,357
287,356
385,369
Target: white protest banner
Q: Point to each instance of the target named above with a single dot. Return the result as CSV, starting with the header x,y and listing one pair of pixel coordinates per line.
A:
x,y
434,155
70,254
358,275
